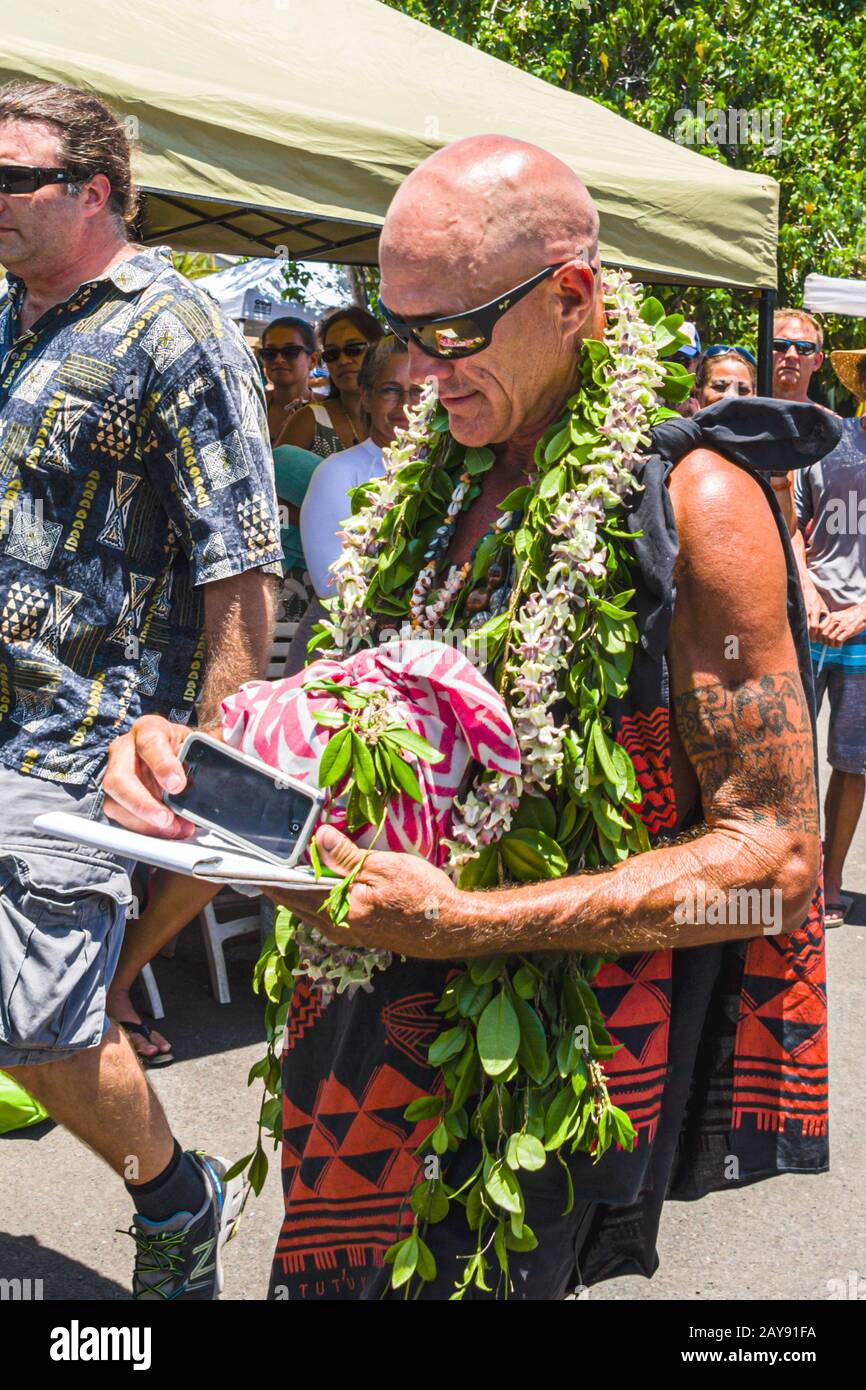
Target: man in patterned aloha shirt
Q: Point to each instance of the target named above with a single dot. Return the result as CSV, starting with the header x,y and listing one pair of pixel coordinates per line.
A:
x,y
138,540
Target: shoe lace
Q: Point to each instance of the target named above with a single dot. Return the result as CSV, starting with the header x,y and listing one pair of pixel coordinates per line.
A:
x,y
156,1254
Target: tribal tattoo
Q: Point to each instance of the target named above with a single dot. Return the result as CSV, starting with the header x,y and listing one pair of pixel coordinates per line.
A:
x,y
750,743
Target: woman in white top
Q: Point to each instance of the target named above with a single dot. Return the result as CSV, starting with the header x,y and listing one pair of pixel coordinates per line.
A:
x,y
385,391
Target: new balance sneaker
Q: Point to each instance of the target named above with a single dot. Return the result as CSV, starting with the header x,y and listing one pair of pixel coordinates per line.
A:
x,y
181,1257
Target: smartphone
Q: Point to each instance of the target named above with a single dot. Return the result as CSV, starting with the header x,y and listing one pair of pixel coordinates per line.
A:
x,y
250,804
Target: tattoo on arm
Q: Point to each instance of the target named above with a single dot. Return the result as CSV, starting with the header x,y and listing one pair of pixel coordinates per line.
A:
x,y
750,743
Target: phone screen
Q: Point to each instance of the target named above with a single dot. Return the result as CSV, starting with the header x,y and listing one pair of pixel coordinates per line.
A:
x,y
242,801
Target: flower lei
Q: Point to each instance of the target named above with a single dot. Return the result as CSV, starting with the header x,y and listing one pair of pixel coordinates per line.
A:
x,y
522,1060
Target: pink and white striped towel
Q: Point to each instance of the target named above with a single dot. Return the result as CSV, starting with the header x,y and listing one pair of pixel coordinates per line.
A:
x,y
436,692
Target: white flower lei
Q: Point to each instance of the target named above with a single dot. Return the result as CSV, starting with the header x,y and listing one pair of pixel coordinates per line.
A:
x,y
543,626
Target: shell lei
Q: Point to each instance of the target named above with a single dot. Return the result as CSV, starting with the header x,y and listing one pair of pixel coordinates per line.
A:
x,y
524,1041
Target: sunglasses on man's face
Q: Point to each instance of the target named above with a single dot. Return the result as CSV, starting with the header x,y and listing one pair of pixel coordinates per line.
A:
x,y
26,178
804,348
350,350
290,353
462,335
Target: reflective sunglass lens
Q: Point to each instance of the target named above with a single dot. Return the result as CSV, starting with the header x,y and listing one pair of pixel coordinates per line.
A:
x,y
460,338
18,181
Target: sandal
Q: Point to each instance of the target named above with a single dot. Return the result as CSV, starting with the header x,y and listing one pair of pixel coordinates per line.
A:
x,y
836,913
141,1030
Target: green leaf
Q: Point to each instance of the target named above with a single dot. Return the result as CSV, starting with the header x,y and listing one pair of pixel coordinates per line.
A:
x,y
525,982
439,1138
498,1035
467,1075
553,483
486,968
405,1262
447,1045
284,930
478,460
258,1170
335,760
426,1268
652,310
423,1108
500,1247
531,855
535,813
600,742
532,1053
527,1240
482,871
471,998
430,1202
558,444
404,774
330,719
362,765
516,500
561,1118
237,1168
502,1187
413,743
524,1151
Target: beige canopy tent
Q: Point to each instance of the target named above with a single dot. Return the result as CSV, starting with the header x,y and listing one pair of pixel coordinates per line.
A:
x,y
263,124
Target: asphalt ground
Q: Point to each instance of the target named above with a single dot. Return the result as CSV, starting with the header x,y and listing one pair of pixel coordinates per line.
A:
x,y
789,1238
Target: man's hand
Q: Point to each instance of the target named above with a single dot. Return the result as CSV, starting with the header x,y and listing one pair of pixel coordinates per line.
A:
x,y
839,627
141,765
397,903
816,610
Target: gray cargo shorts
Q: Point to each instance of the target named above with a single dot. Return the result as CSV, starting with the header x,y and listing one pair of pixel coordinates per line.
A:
x,y
62,914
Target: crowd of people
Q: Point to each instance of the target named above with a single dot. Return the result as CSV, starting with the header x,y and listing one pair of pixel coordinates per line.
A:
x,y
185,511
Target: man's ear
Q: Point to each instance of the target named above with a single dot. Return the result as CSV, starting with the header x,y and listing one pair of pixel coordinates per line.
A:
x,y
575,287
94,195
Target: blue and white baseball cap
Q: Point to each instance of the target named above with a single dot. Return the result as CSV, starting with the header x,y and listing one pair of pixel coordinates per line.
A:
x,y
692,348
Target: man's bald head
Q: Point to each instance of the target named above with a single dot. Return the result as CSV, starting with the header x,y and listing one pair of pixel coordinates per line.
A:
x,y
475,220
499,208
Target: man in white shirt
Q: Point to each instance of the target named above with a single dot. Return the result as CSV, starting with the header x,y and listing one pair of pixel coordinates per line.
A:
x,y
386,390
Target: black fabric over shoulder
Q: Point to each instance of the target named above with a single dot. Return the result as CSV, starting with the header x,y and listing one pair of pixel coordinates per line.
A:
x,y
764,435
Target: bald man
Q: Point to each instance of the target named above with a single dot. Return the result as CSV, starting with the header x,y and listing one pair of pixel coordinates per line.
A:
x,y
723,734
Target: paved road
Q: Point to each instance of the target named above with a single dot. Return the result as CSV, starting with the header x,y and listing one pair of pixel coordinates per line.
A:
x,y
59,1207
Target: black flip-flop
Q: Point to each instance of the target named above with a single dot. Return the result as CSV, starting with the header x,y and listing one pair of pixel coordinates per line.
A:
x,y
159,1059
838,911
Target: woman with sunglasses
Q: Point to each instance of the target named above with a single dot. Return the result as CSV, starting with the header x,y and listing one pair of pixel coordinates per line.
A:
x,y
326,427
725,371
288,355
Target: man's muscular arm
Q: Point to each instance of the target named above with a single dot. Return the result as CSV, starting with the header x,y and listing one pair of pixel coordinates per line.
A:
x,y
743,721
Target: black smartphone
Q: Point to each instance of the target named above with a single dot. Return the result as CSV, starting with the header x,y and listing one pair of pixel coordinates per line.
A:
x,y
250,804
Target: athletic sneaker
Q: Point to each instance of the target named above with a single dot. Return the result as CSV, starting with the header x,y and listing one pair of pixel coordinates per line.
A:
x,y
181,1257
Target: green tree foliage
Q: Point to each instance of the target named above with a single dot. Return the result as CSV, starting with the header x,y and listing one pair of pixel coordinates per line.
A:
x,y
800,63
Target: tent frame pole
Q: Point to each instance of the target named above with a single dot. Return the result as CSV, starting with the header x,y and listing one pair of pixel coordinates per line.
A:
x,y
766,306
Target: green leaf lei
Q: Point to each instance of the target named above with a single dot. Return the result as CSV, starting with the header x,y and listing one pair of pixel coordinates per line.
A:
x,y
521,1059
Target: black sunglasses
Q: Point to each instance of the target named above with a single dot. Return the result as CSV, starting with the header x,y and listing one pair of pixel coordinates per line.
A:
x,y
26,178
291,353
462,335
350,350
804,348
718,348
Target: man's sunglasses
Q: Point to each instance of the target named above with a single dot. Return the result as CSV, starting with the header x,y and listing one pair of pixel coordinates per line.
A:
x,y
462,335
291,353
804,348
718,349
26,178
350,350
